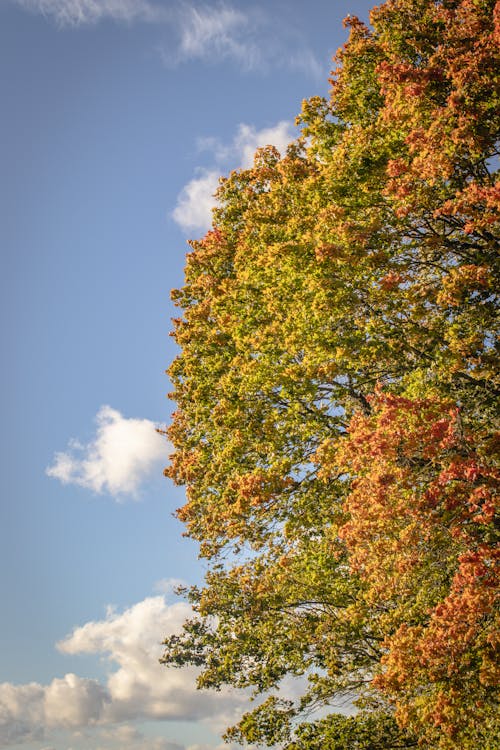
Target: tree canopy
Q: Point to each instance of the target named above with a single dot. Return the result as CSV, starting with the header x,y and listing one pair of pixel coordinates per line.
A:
x,y
337,402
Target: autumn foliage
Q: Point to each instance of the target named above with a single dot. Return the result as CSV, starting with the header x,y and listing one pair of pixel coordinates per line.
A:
x,y
425,544
337,402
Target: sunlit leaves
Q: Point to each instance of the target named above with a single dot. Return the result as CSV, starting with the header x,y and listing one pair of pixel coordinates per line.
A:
x,y
337,401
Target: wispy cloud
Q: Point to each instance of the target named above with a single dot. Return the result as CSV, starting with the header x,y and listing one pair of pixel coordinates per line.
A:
x,y
196,199
83,12
138,687
121,456
252,38
255,39
217,33
168,585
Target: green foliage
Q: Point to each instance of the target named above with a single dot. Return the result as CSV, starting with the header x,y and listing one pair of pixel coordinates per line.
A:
x,y
337,401
374,731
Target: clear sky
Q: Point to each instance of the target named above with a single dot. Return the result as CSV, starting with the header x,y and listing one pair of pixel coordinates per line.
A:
x,y
117,118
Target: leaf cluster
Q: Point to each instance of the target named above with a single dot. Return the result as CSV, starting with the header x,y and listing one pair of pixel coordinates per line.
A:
x,y
337,401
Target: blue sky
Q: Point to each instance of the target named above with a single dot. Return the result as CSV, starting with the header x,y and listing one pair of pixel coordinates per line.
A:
x,y
117,118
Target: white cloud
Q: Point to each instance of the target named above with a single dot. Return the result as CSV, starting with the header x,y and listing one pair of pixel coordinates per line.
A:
x,y
21,712
217,33
256,40
123,453
221,746
247,140
73,702
168,585
213,33
196,200
27,711
81,12
141,687
128,737
138,686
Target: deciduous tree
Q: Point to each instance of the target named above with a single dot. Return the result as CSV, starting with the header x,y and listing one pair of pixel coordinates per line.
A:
x,y
337,400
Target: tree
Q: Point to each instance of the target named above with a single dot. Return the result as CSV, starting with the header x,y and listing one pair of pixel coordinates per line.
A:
x,y
426,544
337,401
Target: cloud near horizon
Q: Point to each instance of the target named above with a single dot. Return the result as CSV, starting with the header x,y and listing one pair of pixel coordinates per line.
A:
x,y
123,454
128,737
196,199
138,688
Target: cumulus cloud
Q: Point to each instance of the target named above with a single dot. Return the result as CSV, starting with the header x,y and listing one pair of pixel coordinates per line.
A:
x,y
196,200
27,711
122,455
73,702
247,140
138,687
21,712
